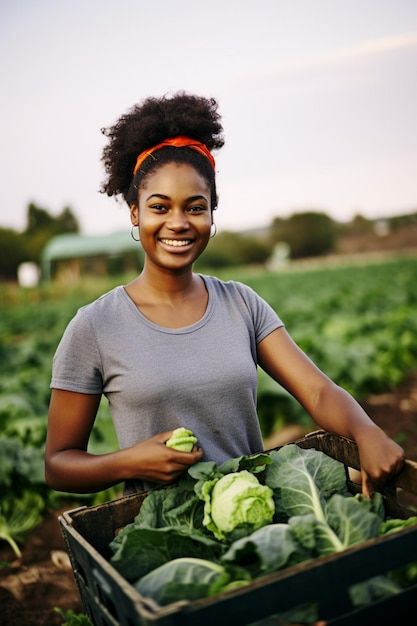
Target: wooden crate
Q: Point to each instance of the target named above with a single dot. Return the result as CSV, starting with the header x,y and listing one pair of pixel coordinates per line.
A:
x,y
110,600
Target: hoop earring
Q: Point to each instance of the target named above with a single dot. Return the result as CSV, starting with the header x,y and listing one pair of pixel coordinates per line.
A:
x,y
132,235
213,230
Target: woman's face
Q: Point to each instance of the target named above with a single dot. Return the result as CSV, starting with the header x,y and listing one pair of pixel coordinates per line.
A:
x,y
174,216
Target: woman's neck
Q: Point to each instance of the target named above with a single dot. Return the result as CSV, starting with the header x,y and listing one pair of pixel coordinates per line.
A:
x,y
169,300
166,286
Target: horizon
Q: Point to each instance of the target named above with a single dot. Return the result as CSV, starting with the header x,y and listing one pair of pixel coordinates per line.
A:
x,y
318,103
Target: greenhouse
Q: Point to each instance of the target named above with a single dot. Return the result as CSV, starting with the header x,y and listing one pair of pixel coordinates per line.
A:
x,y
75,255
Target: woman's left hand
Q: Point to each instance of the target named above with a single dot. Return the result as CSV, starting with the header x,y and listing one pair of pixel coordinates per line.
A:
x,y
331,407
380,458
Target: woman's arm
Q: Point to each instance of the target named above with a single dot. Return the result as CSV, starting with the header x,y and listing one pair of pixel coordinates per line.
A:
x,y
69,467
331,407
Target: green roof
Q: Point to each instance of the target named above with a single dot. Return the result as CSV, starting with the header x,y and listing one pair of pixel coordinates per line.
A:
x,y
73,246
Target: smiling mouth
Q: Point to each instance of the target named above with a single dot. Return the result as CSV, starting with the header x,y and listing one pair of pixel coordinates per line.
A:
x,y
177,243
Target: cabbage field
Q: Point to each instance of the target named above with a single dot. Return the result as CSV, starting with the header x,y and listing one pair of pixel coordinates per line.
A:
x,y
359,324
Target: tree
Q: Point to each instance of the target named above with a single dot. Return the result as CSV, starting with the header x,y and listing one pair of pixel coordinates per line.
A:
x,y
358,226
66,222
308,234
42,226
276,230
38,219
12,252
233,249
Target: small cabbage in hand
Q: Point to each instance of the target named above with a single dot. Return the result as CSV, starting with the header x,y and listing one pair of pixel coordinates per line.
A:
x,y
182,439
236,499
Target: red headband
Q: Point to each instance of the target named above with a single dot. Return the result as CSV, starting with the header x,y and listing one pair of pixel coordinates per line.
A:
x,y
178,142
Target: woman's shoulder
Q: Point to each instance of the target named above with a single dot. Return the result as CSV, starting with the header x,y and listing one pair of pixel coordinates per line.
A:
x,y
103,306
233,288
219,283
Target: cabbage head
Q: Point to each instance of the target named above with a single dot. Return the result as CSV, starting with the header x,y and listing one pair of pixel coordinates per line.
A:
x,y
182,439
236,499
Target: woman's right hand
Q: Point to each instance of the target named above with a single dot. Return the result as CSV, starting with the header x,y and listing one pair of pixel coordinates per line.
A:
x,y
151,460
70,467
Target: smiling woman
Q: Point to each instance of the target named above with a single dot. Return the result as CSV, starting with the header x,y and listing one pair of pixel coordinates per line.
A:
x,y
173,215
174,348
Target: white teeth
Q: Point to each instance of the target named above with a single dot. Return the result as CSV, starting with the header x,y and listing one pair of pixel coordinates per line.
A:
x,y
176,243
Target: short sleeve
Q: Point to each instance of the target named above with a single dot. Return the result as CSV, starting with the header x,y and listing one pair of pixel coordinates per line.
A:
x,y
76,364
263,316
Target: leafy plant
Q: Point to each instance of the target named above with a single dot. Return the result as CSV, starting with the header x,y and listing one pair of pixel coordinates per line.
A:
x,y
310,490
20,466
377,588
169,552
18,516
141,550
268,549
188,579
71,618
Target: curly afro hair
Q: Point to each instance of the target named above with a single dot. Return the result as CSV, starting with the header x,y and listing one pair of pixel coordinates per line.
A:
x,y
147,124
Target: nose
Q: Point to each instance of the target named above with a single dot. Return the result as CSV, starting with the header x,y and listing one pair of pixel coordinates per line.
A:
x,y
178,220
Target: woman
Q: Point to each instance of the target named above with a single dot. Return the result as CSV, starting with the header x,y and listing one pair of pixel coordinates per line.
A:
x,y
175,348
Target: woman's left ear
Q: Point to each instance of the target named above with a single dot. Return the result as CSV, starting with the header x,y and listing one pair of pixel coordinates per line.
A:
x,y
134,214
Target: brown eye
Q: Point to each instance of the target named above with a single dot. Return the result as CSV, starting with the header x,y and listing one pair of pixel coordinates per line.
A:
x,y
196,209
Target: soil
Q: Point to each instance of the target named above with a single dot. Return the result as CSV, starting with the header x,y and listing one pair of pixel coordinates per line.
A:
x,y
31,587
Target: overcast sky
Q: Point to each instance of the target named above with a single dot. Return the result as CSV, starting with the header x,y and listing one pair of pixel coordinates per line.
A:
x,y
318,97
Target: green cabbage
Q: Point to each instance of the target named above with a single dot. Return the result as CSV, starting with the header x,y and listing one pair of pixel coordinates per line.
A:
x,y
236,499
182,439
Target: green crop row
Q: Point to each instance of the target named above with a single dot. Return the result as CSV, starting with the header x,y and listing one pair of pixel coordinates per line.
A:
x,y
358,324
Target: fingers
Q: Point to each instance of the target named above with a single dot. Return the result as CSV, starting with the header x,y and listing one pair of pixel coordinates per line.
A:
x,y
400,464
172,463
175,464
184,458
380,475
152,460
187,458
367,487
163,437
397,459
380,458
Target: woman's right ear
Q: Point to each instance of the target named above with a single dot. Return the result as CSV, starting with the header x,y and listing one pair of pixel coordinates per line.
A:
x,y
134,214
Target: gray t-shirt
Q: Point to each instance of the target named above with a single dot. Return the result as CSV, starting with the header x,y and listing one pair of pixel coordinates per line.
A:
x,y
202,376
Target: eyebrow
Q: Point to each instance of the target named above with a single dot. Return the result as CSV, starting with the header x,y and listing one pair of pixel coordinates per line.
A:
x,y
158,195
163,197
